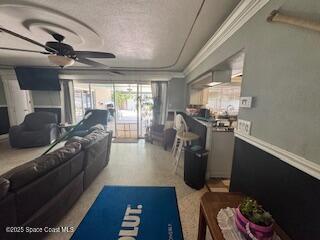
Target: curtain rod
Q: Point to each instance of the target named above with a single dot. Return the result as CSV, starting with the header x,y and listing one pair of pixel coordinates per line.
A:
x,y
276,16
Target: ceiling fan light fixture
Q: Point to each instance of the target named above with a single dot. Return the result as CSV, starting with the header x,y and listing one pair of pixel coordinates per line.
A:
x,y
61,61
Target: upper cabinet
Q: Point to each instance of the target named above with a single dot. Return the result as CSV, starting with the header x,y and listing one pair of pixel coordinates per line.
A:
x,y
199,88
198,96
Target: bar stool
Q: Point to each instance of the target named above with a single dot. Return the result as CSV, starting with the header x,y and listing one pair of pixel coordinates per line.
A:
x,y
183,139
180,125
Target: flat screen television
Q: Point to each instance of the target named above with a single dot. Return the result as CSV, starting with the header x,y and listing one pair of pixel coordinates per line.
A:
x,y
43,79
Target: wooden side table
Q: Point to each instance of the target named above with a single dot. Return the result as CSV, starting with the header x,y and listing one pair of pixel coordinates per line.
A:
x,y
210,205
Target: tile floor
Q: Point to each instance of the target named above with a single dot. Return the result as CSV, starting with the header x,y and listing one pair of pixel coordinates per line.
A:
x,y
137,164
218,185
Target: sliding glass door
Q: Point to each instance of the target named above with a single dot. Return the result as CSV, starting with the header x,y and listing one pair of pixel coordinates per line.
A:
x,y
126,110
82,100
102,98
145,106
129,106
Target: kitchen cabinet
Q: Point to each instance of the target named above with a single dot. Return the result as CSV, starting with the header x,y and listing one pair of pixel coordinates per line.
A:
x,y
198,96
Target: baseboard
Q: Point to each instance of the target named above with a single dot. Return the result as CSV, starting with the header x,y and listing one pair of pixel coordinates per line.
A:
x,y
219,175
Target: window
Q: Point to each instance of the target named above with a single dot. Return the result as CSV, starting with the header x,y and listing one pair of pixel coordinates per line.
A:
x,y
224,98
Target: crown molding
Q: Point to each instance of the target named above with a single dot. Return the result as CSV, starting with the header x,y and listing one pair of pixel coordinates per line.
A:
x,y
245,10
292,159
127,75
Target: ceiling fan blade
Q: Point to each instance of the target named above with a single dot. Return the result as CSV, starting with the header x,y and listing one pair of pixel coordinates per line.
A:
x,y
22,50
27,39
96,64
91,54
91,63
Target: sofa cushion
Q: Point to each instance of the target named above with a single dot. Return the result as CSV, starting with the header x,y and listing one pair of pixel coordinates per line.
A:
x,y
96,135
36,168
48,215
4,187
33,196
81,140
55,158
98,127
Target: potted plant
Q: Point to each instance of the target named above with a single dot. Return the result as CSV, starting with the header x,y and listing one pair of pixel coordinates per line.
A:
x,y
252,220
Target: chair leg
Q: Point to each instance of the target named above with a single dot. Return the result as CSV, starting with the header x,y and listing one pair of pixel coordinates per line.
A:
x,y
178,155
174,146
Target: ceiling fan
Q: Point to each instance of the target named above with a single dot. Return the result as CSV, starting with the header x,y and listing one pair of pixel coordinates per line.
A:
x,y
62,54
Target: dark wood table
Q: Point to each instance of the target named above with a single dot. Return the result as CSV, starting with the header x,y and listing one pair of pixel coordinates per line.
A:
x,y
210,205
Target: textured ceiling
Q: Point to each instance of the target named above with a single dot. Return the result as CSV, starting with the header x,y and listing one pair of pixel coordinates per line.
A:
x,y
143,34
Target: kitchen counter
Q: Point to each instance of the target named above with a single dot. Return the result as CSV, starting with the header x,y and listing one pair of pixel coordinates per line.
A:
x,y
206,123
222,129
220,144
209,124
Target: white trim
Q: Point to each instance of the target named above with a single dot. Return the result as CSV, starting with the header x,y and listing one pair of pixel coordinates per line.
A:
x,y
245,10
100,76
47,106
294,160
3,105
4,137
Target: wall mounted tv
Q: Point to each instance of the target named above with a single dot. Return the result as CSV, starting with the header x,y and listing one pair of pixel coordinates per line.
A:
x,y
43,79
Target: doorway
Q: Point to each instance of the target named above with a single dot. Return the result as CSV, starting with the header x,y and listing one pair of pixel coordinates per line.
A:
x,y
19,101
126,106
129,106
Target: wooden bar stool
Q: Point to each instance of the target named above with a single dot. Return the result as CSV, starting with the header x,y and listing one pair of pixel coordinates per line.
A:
x,y
180,126
183,139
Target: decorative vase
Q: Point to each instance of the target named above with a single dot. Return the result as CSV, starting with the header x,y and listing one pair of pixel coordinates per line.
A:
x,y
251,230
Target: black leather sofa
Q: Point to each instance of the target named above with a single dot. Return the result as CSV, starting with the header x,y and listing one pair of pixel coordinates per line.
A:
x,y
38,129
37,194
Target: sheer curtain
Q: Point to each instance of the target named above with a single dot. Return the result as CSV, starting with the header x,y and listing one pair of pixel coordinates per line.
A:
x,y
160,106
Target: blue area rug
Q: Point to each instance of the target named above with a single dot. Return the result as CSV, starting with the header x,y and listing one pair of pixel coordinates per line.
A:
x,y
132,213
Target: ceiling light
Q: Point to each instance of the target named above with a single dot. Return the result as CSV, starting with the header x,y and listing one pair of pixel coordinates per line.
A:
x,y
61,61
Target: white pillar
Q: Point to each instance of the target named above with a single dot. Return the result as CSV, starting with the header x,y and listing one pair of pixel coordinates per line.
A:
x,y
19,101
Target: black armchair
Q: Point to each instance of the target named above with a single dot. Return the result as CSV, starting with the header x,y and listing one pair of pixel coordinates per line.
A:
x,y
164,136
38,129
